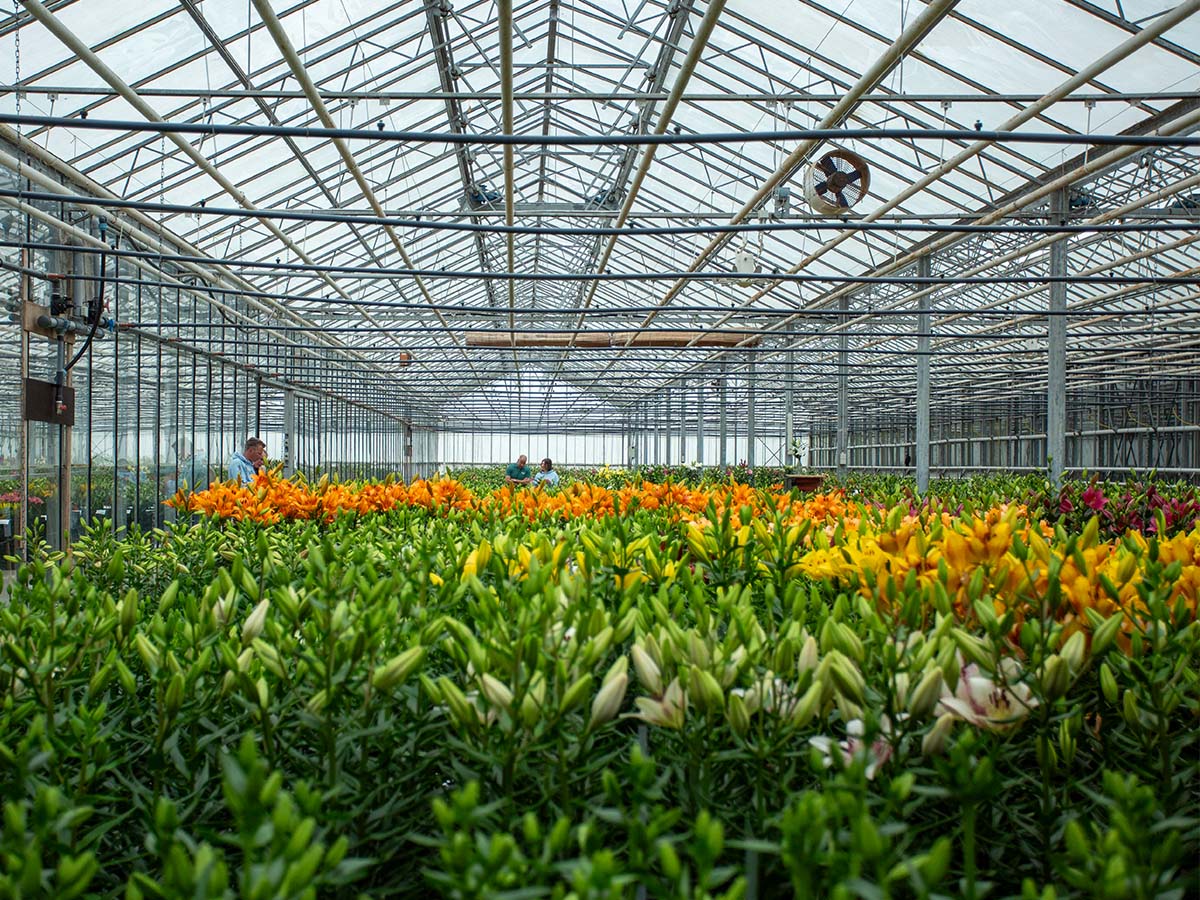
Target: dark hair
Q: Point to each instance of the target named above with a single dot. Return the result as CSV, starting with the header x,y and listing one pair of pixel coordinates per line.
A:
x,y
254,442
546,462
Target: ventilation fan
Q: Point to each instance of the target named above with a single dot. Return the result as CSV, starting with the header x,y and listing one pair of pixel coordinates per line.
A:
x,y
836,182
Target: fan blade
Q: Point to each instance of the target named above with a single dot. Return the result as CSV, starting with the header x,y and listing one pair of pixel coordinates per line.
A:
x,y
842,200
828,164
820,186
853,177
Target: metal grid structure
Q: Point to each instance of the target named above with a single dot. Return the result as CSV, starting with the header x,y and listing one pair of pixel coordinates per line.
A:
x,y
318,199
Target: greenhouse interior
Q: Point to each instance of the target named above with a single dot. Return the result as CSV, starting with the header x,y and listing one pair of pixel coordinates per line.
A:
x,y
667,449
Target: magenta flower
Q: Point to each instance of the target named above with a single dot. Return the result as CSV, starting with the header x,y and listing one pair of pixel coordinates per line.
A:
x,y
1093,498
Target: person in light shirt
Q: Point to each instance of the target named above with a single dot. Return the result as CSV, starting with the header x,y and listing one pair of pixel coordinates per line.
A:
x,y
243,466
546,476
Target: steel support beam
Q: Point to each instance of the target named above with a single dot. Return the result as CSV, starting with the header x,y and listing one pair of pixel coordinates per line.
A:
x,y
724,426
789,400
1056,386
750,430
843,392
923,362
700,422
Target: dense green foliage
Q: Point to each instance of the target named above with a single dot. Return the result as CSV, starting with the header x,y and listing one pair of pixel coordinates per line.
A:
x,y
427,702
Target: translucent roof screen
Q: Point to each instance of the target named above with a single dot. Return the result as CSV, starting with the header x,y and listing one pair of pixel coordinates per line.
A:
x,y
389,254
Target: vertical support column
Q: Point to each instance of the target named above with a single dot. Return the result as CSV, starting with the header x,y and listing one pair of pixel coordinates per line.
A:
x,y
789,425
1056,380
750,409
289,433
723,456
700,423
843,389
924,267
681,414
667,426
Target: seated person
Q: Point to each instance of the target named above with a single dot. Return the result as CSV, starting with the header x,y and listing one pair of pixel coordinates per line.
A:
x,y
518,472
546,475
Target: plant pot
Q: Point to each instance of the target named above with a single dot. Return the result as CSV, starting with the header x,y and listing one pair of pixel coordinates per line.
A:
x,y
802,483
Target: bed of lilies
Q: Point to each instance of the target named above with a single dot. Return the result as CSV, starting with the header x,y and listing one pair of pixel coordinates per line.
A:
x,y
643,691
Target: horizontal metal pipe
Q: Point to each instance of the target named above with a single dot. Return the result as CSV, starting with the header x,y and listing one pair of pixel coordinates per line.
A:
x,y
956,353
385,97
1142,469
605,140
1033,436
1181,219
357,272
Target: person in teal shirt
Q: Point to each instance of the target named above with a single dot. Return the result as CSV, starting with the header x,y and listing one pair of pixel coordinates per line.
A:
x,y
546,477
518,472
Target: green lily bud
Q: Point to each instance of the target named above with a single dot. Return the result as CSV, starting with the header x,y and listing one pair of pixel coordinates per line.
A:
x,y
254,622
173,698
847,678
1066,743
619,667
1047,757
973,649
648,673
496,692
1056,677
1073,651
99,681
669,860
1106,633
934,742
738,715
1129,709
926,694
398,668
698,651
129,611
1108,683
705,689
810,656
460,707
608,700
125,676
147,652
807,706
575,694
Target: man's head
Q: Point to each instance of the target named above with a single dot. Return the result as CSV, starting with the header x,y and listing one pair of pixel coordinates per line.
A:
x,y
255,450
547,465
522,459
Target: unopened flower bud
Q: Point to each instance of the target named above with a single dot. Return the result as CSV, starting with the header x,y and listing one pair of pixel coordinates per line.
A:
x,y
935,741
1073,651
255,621
926,694
807,706
738,715
608,700
648,673
1056,677
1108,684
496,692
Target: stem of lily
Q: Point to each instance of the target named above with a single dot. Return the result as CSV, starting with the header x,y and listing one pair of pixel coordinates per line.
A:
x,y
969,869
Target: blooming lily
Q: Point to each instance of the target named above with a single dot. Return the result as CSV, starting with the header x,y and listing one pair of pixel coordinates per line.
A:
x,y
988,703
